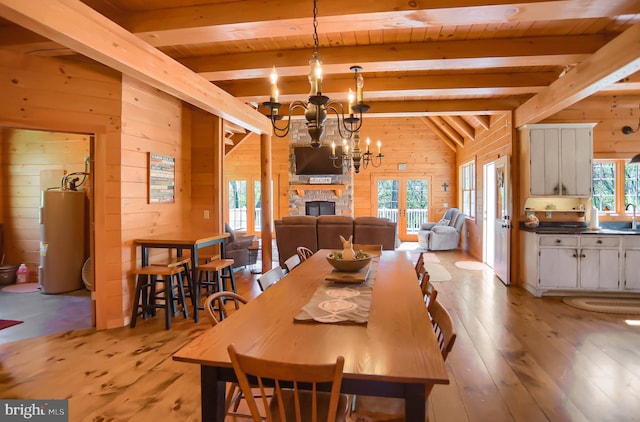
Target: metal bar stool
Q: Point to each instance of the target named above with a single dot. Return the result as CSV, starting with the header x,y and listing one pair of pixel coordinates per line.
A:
x,y
147,296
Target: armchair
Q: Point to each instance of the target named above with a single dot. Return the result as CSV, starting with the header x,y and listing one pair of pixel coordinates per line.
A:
x,y
443,235
237,248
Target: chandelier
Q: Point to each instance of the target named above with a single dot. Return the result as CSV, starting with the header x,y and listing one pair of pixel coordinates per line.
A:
x,y
352,154
318,105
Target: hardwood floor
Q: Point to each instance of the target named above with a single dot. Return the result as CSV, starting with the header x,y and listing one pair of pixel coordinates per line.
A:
x,y
516,358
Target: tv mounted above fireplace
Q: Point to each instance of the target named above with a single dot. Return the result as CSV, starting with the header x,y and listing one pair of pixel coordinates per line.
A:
x,y
311,161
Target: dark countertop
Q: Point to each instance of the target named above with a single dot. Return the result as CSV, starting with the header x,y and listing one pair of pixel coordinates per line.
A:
x,y
605,229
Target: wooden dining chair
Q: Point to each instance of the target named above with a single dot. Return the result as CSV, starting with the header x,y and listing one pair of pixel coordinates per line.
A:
x,y
217,301
304,252
428,289
301,401
270,278
292,262
391,409
419,264
374,250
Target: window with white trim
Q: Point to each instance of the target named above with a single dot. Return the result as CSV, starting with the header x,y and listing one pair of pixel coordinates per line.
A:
x,y
468,188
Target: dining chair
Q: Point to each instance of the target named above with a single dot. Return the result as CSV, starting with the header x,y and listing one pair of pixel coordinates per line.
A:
x,y
304,252
270,278
428,289
419,263
374,250
392,409
217,301
292,262
300,400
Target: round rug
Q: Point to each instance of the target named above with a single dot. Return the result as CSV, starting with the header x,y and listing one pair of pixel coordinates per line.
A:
x,y
22,288
437,272
608,305
472,265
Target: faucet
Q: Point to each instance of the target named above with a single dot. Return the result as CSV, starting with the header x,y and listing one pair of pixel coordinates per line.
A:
x,y
633,219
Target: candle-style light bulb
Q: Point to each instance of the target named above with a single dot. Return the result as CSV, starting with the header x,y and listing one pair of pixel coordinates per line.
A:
x,y
368,143
333,148
379,145
350,101
359,88
274,86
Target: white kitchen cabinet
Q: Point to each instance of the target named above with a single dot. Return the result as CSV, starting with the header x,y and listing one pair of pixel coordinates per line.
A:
x,y
574,262
560,158
632,263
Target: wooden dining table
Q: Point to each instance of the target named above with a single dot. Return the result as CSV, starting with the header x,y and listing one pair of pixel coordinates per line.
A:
x,y
395,354
190,240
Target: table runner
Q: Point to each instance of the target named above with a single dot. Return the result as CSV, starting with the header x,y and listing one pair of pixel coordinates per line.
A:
x,y
341,303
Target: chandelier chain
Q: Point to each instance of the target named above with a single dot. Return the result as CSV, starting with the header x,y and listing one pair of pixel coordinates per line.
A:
x,y
316,43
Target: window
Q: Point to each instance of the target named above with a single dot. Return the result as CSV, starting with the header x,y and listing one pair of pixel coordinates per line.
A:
x,y
468,188
238,204
616,183
604,185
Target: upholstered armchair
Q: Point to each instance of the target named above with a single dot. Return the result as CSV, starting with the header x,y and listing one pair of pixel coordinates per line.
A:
x,y
237,247
443,235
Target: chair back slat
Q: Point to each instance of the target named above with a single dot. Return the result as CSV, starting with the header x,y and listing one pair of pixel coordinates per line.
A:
x,y
217,301
443,327
270,278
304,252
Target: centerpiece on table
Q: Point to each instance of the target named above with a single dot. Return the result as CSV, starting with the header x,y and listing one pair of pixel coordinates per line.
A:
x,y
348,260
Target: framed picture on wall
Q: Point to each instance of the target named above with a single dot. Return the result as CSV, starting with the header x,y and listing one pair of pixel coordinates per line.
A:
x,y
162,179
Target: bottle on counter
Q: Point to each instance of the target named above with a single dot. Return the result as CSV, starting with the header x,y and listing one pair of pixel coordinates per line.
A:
x,y
22,274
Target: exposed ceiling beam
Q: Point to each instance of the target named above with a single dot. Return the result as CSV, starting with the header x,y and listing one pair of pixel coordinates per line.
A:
x,y
611,63
484,121
441,55
477,84
461,126
439,133
448,130
97,37
226,21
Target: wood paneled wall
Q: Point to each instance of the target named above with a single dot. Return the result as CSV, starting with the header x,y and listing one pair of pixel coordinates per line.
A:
x,y
488,146
28,154
151,122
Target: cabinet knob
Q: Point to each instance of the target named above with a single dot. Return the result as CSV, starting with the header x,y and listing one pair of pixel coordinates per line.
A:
x,y
599,241
558,241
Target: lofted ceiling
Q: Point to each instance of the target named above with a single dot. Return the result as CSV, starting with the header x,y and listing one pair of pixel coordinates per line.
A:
x,y
450,62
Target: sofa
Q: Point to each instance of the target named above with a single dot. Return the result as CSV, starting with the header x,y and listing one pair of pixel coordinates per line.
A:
x,y
237,248
323,232
443,235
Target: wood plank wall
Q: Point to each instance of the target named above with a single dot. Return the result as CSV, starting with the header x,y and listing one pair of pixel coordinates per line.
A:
x,y
28,154
151,123
488,146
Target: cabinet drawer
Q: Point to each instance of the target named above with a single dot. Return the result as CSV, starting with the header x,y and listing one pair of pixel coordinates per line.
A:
x,y
569,241
632,242
600,242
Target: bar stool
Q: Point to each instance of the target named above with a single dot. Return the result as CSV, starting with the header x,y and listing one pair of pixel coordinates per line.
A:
x,y
217,283
147,296
184,262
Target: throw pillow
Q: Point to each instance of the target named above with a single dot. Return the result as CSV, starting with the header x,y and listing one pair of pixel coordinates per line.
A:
x,y
443,222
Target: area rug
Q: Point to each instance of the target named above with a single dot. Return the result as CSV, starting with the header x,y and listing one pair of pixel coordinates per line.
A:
x,y
5,323
437,272
472,265
608,305
22,288
430,257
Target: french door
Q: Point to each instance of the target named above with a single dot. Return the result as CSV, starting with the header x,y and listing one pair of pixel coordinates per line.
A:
x,y
404,199
244,199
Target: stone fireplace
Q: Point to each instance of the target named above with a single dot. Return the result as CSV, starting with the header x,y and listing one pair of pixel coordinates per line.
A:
x,y
340,189
316,208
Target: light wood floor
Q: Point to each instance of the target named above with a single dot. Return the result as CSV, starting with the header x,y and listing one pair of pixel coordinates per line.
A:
x,y
517,358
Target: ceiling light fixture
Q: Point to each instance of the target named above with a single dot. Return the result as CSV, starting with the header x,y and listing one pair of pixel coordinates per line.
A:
x,y
318,105
352,154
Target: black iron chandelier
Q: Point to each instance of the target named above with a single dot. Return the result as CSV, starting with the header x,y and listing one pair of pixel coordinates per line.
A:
x,y
318,105
352,154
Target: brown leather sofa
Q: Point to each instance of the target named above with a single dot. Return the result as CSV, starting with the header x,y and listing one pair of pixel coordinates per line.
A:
x,y
324,232
237,248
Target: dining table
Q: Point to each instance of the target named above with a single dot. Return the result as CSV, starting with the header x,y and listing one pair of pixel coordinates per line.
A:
x,y
190,240
394,353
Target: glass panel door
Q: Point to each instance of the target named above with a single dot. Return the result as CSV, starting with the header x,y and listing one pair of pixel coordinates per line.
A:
x,y
404,200
416,210
238,204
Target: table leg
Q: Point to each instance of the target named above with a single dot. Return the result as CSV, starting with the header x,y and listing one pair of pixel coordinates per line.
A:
x,y
195,286
415,402
213,391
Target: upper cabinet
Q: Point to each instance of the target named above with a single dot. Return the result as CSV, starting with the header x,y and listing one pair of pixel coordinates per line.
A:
x,y
560,158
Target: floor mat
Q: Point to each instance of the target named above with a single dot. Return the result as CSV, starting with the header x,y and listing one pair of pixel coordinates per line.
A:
x,y
437,272
5,323
22,288
608,305
472,265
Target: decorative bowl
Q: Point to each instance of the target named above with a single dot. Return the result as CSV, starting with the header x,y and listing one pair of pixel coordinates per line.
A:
x,y
349,265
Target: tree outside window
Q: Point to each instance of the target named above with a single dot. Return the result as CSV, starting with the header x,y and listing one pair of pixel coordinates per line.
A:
x,y
604,185
468,189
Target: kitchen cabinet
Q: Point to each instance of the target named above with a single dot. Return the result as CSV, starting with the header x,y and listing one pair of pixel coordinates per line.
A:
x,y
574,262
560,158
632,263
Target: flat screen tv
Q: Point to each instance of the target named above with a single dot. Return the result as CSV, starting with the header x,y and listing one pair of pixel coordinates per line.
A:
x,y
310,161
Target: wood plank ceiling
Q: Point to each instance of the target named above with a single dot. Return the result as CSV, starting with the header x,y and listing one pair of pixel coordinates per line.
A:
x,y
450,62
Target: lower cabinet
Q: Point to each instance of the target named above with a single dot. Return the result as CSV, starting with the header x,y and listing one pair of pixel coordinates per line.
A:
x,y
576,262
631,263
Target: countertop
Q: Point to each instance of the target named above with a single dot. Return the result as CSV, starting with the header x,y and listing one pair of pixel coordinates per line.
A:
x,y
614,228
